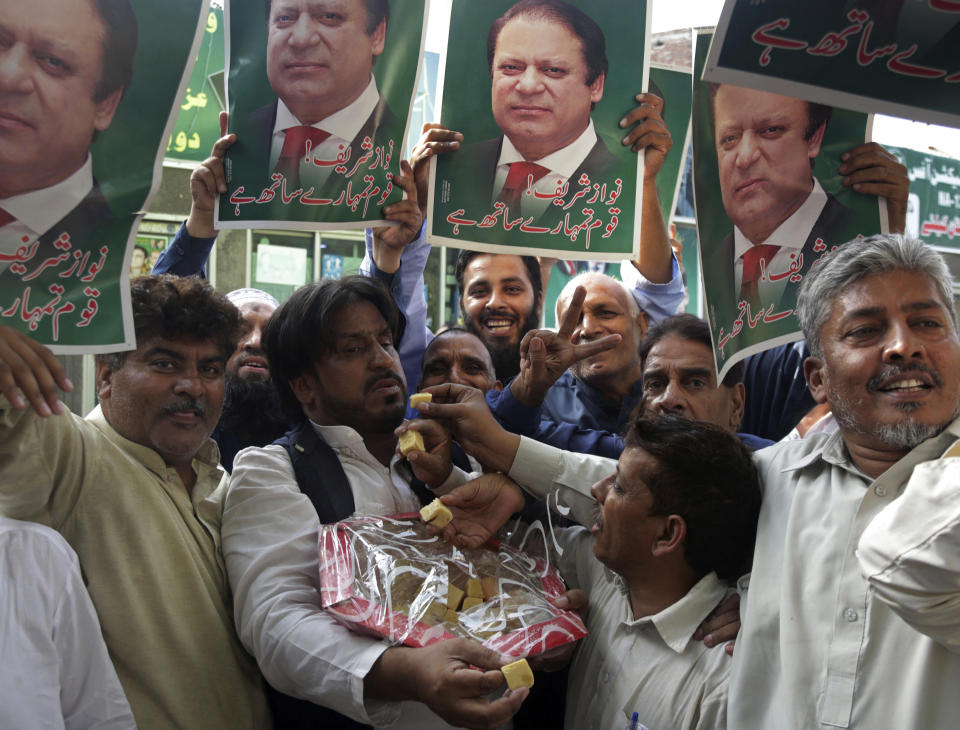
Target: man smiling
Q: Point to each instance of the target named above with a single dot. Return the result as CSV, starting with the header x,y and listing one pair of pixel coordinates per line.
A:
x,y
132,487
817,647
320,54
64,66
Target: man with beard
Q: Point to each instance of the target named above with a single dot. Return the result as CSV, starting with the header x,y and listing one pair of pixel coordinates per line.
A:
x,y
252,415
332,355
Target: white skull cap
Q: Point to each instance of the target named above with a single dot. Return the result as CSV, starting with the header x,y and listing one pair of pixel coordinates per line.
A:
x,y
239,297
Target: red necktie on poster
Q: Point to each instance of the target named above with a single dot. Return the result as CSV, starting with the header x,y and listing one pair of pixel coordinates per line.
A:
x,y
751,273
295,149
516,184
5,218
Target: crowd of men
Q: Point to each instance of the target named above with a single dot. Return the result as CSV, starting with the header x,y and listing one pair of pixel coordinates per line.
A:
x,y
179,586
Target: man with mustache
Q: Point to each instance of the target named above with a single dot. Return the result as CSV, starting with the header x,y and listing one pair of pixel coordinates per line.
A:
x,y
332,354
252,415
133,489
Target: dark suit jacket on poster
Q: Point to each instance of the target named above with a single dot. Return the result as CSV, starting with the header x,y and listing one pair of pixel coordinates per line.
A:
x,y
834,225
91,225
380,123
473,171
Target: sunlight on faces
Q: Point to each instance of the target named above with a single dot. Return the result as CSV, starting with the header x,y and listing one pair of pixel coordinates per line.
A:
x,y
891,369
166,395
763,157
319,55
539,93
249,359
608,309
359,383
458,357
51,55
624,532
679,377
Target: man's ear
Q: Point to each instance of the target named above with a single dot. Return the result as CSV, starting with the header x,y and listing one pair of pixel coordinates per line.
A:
x,y
643,322
304,387
596,88
106,109
378,37
814,371
104,377
815,141
671,537
738,399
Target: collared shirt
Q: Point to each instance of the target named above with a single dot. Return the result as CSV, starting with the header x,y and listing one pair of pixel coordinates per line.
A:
x,y
562,164
909,552
150,551
790,236
817,649
55,671
270,532
37,211
342,126
649,665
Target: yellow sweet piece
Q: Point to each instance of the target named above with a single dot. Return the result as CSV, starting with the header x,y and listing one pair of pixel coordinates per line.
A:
x,y
454,596
517,674
474,588
409,441
437,514
488,586
452,617
420,398
470,602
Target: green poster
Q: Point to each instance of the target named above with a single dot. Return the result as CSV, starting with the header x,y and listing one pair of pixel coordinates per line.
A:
x,y
542,169
933,207
319,102
675,87
875,56
198,120
71,208
764,216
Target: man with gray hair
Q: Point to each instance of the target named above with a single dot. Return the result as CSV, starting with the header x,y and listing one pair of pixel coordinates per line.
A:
x,y
818,649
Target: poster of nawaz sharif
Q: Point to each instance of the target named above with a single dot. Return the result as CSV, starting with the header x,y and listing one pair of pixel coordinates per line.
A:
x,y
320,101
770,204
538,98
70,206
874,56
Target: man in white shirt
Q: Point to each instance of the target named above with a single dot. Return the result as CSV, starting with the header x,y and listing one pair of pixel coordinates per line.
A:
x,y
331,353
673,519
56,671
66,66
320,56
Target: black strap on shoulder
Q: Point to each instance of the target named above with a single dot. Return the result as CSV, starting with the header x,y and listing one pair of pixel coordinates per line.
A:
x,y
320,476
319,473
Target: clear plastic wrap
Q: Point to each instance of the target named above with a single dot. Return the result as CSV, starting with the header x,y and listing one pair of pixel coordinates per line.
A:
x,y
388,576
